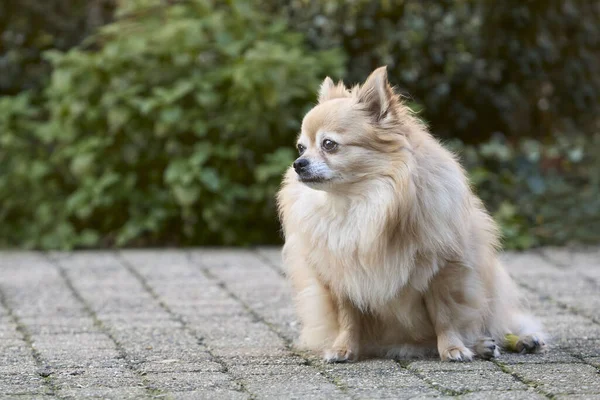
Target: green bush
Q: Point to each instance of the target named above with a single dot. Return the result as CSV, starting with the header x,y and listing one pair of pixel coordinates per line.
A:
x,y
540,194
521,68
172,132
173,125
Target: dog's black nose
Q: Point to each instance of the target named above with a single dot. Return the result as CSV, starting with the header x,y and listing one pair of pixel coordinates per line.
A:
x,y
300,164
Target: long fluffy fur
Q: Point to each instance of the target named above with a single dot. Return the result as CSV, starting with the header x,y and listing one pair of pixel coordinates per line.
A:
x,y
395,256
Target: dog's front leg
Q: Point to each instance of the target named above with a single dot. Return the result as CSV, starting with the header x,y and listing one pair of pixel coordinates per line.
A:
x,y
346,345
449,310
449,341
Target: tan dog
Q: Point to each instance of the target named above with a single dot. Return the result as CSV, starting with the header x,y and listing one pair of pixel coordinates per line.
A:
x,y
389,251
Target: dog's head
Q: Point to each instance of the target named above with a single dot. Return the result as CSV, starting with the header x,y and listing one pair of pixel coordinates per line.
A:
x,y
352,135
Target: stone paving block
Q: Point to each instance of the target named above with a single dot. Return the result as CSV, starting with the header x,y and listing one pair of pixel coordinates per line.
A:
x,y
84,358
20,368
293,395
188,381
211,394
249,352
45,284
376,364
217,258
481,380
243,332
269,359
563,286
144,320
580,347
247,371
399,392
17,258
16,356
178,365
360,375
436,365
34,397
119,393
566,326
207,310
160,336
68,342
507,395
307,382
203,296
93,261
586,301
13,343
554,355
140,354
22,384
173,263
561,378
50,325
581,260
526,265
96,377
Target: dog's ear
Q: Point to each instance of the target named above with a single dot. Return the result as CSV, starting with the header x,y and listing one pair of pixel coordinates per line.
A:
x,y
326,88
330,90
376,94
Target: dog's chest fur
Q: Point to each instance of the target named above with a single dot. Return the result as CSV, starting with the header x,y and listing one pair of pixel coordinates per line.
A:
x,y
351,254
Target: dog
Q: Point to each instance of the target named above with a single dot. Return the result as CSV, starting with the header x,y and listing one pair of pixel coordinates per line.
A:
x,y
388,250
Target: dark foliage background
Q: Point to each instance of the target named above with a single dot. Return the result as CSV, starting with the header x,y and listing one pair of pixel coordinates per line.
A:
x,y
521,68
29,27
170,122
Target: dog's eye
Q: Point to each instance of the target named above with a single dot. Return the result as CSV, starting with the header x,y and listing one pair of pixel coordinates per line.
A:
x,y
329,145
301,148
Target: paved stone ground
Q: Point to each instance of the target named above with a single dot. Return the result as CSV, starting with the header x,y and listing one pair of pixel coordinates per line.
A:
x,y
215,324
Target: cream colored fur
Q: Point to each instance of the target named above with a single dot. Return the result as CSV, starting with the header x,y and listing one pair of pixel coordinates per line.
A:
x,y
391,254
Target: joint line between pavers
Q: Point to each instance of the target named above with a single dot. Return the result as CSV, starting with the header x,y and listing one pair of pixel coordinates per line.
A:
x,y
265,260
178,318
532,384
450,392
26,337
308,362
98,323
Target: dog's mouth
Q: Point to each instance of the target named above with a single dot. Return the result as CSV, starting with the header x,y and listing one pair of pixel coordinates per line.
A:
x,y
312,179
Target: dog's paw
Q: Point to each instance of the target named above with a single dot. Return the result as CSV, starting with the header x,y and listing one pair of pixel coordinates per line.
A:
x,y
340,355
530,344
486,348
456,353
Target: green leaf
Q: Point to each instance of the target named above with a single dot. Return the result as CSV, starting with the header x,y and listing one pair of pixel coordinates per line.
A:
x,y
210,178
186,195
